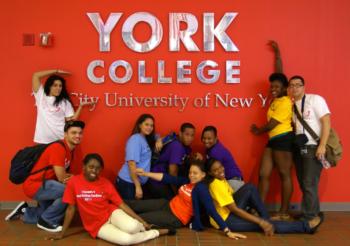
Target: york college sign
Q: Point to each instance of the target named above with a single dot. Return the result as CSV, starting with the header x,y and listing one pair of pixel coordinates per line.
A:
x,y
206,71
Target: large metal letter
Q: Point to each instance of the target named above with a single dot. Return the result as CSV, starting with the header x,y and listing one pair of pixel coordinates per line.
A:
x,y
175,34
90,71
214,73
161,73
142,74
182,71
219,32
156,36
230,71
104,30
113,68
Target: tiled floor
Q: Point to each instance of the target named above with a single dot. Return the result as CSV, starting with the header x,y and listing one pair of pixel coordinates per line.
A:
x,y
333,232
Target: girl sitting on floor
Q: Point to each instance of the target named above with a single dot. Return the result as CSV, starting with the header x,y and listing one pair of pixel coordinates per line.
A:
x,y
102,211
231,206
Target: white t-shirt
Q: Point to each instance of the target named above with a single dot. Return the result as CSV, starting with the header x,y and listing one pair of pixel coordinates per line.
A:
x,y
314,109
50,119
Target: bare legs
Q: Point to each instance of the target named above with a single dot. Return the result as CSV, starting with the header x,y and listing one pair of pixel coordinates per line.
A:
x,y
265,173
283,162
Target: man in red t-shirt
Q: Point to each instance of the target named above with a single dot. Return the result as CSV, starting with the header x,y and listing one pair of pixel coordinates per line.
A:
x,y
47,187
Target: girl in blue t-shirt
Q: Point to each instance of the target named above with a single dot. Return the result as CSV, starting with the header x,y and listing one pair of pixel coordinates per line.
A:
x,y
138,154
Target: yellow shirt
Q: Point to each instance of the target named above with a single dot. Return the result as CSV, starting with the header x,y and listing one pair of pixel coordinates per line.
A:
x,y
281,110
222,194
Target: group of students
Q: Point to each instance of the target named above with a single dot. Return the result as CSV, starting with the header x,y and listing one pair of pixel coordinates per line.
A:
x,y
185,185
162,185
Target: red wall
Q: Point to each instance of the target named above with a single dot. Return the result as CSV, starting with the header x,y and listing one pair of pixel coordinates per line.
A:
x,y
313,36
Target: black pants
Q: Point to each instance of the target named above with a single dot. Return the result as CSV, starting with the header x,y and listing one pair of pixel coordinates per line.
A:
x,y
308,170
156,212
158,191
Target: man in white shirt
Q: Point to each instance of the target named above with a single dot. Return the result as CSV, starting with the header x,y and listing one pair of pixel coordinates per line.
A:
x,y
315,112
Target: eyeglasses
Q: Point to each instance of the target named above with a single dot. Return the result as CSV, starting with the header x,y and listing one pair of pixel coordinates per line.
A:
x,y
296,86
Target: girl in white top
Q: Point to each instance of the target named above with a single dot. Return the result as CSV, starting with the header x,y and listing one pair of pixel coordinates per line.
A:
x,y
53,104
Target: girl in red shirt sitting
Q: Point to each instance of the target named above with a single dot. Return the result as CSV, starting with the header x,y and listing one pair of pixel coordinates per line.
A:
x,y
102,211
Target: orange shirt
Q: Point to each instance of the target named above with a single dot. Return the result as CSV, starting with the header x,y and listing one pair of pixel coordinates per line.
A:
x,y
181,205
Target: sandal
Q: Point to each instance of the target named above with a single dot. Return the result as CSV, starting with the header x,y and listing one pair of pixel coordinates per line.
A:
x,y
314,229
281,217
254,212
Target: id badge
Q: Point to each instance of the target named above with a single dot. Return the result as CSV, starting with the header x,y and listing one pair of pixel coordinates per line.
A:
x,y
303,151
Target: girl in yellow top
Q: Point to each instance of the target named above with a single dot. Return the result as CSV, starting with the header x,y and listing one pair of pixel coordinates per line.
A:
x,y
231,206
279,148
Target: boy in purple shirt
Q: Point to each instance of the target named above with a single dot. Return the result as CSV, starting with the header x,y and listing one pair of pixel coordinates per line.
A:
x,y
215,150
172,161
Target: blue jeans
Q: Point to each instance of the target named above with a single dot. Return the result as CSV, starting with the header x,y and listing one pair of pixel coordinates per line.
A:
x,y
125,189
248,196
50,207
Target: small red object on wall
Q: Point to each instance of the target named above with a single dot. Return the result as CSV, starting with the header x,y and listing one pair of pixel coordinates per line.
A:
x,y
28,39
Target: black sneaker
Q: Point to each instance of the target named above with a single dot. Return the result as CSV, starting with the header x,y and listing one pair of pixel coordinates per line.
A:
x,y
321,214
42,224
171,231
17,212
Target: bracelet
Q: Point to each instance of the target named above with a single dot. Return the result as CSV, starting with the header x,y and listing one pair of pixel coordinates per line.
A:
x,y
227,231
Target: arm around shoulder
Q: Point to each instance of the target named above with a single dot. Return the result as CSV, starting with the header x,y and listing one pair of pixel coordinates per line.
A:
x,y
202,196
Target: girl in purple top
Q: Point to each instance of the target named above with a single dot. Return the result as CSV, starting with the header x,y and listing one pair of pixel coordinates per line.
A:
x,y
215,149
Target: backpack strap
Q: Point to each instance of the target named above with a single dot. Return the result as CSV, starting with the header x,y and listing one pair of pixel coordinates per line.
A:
x,y
50,166
40,170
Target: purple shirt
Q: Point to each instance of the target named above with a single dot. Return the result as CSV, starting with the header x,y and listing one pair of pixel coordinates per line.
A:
x,y
220,153
172,153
